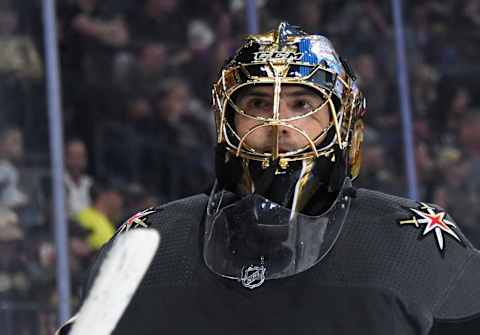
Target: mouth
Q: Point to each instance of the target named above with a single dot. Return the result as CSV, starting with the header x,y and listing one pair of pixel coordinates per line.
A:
x,y
287,146
283,149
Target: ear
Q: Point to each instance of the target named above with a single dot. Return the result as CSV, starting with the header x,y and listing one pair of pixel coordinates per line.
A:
x,y
355,151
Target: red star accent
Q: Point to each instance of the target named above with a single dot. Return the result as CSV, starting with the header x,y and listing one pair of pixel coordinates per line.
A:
x,y
436,220
134,218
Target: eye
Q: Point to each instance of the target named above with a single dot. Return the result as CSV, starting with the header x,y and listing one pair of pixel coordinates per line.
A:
x,y
303,104
257,106
258,103
306,104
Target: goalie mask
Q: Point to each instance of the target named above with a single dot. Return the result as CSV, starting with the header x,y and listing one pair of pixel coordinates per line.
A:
x,y
289,132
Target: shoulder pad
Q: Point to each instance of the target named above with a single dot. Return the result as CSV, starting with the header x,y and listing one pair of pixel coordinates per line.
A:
x,y
423,220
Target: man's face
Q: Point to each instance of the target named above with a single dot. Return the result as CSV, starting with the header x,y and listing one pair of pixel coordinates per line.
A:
x,y
295,100
114,204
153,58
175,102
76,158
12,145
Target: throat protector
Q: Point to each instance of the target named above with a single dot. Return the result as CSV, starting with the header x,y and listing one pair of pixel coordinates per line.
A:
x,y
251,239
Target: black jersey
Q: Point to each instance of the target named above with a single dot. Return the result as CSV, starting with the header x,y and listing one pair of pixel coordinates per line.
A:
x,y
398,267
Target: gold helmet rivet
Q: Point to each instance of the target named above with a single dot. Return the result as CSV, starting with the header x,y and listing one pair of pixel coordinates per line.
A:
x,y
283,163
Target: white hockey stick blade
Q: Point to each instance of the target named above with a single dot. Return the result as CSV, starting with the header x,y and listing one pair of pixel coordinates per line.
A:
x,y
116,283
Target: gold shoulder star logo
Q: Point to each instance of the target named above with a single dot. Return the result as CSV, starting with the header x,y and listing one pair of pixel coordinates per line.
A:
x,y
432,220
137,220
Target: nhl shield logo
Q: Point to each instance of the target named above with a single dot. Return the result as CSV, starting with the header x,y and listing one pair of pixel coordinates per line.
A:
x,y
253,276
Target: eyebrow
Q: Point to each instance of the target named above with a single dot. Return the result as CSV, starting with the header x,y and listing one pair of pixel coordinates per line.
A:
x,y
301,93
257,93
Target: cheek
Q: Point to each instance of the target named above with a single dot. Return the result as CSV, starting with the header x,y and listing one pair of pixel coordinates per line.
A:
x,y
311,126
318,122
256,139
243,124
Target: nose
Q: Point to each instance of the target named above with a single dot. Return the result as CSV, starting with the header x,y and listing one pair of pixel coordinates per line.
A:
x,y
284,113
284,110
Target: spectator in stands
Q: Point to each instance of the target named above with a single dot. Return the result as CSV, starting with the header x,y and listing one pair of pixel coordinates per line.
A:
x,y
424,89
81,255
122,145
15,282
455,172
425,169
137,198
197,61
181,126
471,12
11,151
430,24
457,109
153,21
221,50
366,20
469,141
19,58
469,134
20,66
87,23
98,219
77,182
310,13
376,168
92,37
374,83
142,73
175,106
42,263
419,30
13,278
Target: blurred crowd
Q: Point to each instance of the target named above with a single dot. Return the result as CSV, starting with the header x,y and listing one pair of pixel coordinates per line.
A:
x,y
136,79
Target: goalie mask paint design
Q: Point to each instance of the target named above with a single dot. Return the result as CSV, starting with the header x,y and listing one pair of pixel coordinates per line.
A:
x,y
259,141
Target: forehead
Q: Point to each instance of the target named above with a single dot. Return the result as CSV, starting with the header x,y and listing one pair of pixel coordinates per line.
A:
x,y
11,135
286,90
76,147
